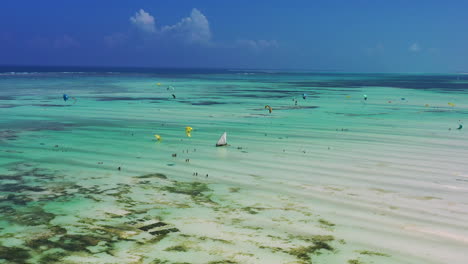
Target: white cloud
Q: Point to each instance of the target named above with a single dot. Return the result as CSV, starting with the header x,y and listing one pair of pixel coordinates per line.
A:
x,y
144,21
194,29
257,44
415,47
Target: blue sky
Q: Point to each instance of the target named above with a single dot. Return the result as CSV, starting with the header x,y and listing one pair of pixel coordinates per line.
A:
x,y
371,36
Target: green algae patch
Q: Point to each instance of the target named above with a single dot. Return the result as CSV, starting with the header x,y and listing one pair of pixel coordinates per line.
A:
x,y
178,248
77,242
224,241
188,188
320,243
153,175
319,246
17,199
41,243
14,254
58,230
72,243
223,262
155,239
32,216
158,261
50,258
355,261
196,190
234,189
6,210
302,253
253,227
251,210
122,232
380,190
372,253
317,238
326,223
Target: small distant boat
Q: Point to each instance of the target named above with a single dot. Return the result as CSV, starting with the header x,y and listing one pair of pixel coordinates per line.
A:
x,y
222,141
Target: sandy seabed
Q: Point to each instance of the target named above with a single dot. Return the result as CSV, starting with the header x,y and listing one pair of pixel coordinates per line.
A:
x,y
331,179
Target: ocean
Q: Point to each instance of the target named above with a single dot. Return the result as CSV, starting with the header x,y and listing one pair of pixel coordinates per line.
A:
x,y
347,168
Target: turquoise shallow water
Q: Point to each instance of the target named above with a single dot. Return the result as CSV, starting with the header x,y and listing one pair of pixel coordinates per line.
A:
x,y
332,178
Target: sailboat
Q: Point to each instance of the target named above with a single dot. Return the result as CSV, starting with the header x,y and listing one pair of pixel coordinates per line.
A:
x,y
222,140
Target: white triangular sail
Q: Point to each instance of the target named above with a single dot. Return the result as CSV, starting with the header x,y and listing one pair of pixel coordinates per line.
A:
x,y
222,141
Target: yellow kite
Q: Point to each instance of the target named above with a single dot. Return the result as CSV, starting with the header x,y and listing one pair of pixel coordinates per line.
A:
x,y
188,131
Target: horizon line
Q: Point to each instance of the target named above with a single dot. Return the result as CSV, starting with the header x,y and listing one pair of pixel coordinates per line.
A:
x,y
226,68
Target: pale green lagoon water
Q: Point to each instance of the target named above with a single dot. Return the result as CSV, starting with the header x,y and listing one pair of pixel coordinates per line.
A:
x,y
333,179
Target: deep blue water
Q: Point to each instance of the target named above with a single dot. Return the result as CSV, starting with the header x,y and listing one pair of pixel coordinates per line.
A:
x,y
442,82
